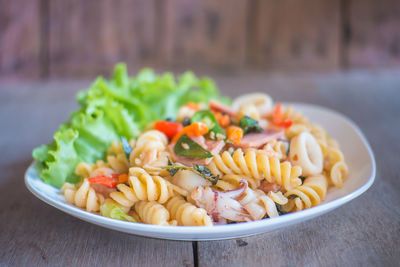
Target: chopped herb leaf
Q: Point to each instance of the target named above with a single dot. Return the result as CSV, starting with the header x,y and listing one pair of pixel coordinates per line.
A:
x,y
201,170
188,148
250,125
126,147
209,119
279,208
172,171
170,119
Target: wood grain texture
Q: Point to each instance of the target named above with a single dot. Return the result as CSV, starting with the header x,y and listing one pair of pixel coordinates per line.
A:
x,y
364,232
203,33
374,33
295,35
89,37
19,38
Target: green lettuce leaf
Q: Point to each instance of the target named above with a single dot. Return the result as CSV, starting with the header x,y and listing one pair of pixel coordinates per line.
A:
x,y
112,210
121,106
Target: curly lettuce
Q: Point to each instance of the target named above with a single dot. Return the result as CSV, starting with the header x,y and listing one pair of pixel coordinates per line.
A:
x,y
109,109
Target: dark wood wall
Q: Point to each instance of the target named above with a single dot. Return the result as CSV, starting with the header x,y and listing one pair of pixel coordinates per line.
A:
x,y
53,38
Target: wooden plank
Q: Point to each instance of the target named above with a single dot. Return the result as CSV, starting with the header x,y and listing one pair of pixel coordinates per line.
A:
x,y
203,33
295,35
33,233
89,37
19,39
374,33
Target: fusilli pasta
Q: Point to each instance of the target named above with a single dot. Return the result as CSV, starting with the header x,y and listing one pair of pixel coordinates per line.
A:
x,y
255,164
82,196
186,213
152,212
143,186
150,147
308,195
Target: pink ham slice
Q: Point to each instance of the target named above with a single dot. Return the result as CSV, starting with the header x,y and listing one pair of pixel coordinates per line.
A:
x,y
268,187
102,189
217,106
256,140
214,147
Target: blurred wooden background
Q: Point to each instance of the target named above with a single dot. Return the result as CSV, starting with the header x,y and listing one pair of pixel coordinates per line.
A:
x,y
57,38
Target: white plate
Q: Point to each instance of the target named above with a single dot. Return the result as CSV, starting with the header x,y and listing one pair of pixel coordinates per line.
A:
x,y
355,147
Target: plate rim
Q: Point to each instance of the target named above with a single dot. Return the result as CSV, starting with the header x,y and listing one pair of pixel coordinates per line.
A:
x,y
255,227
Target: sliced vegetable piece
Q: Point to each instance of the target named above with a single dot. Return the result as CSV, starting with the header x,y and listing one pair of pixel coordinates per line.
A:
x,y
188,148
194,129
109,181
223,119
112,210
209,119
169,128
250,125
201,170
123,178
277,117
234,134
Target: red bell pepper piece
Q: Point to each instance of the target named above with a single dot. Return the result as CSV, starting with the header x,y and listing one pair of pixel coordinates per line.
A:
x,y
169,128
109,181
277,117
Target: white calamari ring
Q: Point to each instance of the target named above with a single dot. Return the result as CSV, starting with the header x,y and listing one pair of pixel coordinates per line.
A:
x,y
262,101
306,153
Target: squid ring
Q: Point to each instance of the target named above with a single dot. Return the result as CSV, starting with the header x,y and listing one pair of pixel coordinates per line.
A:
x,y
306,152
262,101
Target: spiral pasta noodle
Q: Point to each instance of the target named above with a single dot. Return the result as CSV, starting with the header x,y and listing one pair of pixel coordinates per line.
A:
x,y
334,163
296,117
148,147
83,196
276,149
152,212
258,204
295,129
338,173
231,182
143,186
255,164
308,195
319,134
116,157
85,170
186,213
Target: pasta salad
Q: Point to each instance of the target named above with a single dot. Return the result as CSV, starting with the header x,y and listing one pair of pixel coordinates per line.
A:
x,y
209,163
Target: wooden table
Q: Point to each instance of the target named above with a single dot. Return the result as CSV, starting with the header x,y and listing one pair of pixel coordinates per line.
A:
x,y
365,231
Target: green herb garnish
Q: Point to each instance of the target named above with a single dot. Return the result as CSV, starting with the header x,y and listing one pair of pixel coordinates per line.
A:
x,y
209,119
186,147
250,125
279,208
126,147
201,170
